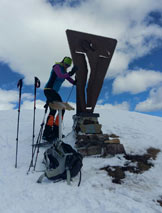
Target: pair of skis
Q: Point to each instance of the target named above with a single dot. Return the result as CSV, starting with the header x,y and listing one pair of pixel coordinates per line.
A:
x,y
20,85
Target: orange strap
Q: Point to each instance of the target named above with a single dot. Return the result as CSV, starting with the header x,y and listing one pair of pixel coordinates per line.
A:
x,y
50,120
57,120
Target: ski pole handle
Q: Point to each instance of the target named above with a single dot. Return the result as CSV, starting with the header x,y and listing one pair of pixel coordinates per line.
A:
x,y
37,82
20,83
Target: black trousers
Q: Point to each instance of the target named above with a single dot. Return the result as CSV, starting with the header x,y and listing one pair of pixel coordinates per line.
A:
x,y
51,131
51,96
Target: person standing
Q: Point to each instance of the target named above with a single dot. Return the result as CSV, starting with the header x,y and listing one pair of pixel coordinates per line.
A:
x,y
57,77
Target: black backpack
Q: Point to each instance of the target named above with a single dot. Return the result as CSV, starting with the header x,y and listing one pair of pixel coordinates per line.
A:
x,y
61,162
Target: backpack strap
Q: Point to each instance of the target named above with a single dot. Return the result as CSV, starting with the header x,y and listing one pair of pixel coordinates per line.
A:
x,y
41,178
80,178
68,176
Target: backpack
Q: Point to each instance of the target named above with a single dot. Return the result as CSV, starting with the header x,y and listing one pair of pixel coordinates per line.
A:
x,y
61,162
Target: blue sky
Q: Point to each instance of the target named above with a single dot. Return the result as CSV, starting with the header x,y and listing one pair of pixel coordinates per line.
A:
x,y
33,38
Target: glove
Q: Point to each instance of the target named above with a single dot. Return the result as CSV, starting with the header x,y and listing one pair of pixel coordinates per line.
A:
x,y
46,105
73,71
75,82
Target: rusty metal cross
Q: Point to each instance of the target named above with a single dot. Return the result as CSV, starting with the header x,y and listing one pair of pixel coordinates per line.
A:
x,y
98,51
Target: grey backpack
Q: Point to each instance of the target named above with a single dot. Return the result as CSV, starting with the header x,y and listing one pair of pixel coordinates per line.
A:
x,y
61,162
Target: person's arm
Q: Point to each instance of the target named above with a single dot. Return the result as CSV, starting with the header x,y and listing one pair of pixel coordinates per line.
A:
x,y
70,80
73,71
61,75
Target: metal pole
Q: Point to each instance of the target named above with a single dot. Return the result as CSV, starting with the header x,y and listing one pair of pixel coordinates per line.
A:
x,y
38,141
20,84
60,124
36,85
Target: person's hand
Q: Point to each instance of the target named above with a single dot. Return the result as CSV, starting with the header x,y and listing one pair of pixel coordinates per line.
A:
x,y
75,82
73,71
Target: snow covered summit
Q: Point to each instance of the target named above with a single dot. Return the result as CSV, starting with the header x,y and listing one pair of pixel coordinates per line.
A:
x,y
138,193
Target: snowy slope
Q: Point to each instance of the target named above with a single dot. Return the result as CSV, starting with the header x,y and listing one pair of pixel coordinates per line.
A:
x,y
20,193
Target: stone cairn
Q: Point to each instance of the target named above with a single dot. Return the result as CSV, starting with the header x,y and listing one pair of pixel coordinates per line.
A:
x,y
89,137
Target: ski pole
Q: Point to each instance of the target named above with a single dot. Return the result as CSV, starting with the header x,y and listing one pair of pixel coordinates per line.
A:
x,y
36,85
38,139
19,85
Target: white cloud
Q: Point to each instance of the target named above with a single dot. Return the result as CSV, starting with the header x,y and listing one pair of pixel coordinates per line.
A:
x,y
152,103
33,32
30,104
8,99
27,96
123,106
137,81
6,106
100,101
104,98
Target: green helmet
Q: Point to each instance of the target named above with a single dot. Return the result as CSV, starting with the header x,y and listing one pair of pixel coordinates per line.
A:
x,y
67,60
